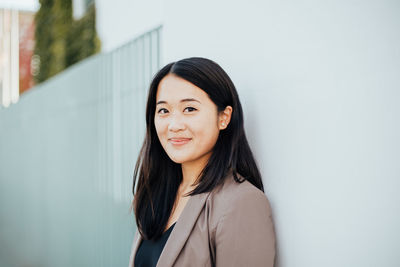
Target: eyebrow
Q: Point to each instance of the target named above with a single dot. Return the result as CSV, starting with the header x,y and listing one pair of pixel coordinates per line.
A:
x,y
182,100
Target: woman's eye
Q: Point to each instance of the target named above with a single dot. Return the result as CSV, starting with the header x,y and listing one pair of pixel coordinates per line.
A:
x,y
161,109
190,109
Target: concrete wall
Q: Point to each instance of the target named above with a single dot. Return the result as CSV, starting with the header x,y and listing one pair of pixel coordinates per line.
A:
x,y
320,86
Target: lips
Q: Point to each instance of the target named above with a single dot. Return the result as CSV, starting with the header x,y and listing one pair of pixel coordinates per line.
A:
x,y
179,141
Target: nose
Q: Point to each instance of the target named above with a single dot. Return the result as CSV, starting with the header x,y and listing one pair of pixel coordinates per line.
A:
x,y
176,124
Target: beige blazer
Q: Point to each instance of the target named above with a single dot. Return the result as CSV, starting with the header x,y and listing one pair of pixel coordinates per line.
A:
x,y
227,227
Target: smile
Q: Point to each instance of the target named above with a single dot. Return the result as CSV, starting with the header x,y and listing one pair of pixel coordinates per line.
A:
x,y
179,141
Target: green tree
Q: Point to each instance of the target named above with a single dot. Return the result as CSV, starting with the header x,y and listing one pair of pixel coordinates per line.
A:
x,y
82,38
43,39
59,40
62,22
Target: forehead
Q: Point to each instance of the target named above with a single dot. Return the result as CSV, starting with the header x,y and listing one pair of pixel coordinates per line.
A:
x,y
173,88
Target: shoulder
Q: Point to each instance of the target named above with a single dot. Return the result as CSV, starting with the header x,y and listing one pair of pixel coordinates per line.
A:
x,y
240,219
234,197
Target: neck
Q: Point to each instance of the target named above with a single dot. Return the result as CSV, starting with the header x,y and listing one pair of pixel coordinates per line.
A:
x,y
190,172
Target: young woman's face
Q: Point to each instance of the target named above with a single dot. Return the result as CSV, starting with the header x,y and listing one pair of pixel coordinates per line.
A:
x,y
186,120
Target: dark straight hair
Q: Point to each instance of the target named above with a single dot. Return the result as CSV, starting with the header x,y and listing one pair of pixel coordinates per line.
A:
x,y
158,177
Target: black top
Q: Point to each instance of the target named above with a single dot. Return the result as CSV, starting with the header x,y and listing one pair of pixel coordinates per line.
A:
x,y
149,251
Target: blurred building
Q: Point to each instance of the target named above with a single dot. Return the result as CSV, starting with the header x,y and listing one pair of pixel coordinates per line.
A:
x,y
26,47
9,57
16,50
18,63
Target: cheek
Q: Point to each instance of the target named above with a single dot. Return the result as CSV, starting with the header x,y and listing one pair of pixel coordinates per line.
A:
x,y
160,128
207,131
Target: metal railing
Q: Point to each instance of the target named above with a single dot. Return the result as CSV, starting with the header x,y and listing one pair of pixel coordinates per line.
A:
x,y
67,154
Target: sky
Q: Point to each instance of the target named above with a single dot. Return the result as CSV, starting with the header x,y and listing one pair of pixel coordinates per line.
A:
x,y
32,5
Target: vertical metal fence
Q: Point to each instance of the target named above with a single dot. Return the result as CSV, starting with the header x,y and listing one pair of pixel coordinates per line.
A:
x,y
67,154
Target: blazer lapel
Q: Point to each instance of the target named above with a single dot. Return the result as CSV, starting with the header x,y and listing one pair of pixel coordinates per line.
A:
x,y
179,234
182,229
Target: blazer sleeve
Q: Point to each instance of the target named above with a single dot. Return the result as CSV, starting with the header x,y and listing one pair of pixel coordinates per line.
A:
x,y
245,234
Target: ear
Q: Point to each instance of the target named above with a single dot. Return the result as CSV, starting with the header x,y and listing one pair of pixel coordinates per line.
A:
x,y
224,118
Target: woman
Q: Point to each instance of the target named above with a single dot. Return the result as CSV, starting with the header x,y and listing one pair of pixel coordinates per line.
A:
x,y
199,197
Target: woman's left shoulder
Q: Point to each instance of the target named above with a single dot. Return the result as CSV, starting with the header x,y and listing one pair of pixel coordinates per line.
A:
x,y
238,195
240,218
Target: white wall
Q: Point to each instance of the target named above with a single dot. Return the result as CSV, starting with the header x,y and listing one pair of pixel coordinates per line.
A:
x,y
319,82
119,21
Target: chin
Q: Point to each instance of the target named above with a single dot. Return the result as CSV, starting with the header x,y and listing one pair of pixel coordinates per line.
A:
x,y
178,159
175,160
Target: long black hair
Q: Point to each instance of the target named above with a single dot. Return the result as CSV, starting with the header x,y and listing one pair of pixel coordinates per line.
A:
x,y
158,177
